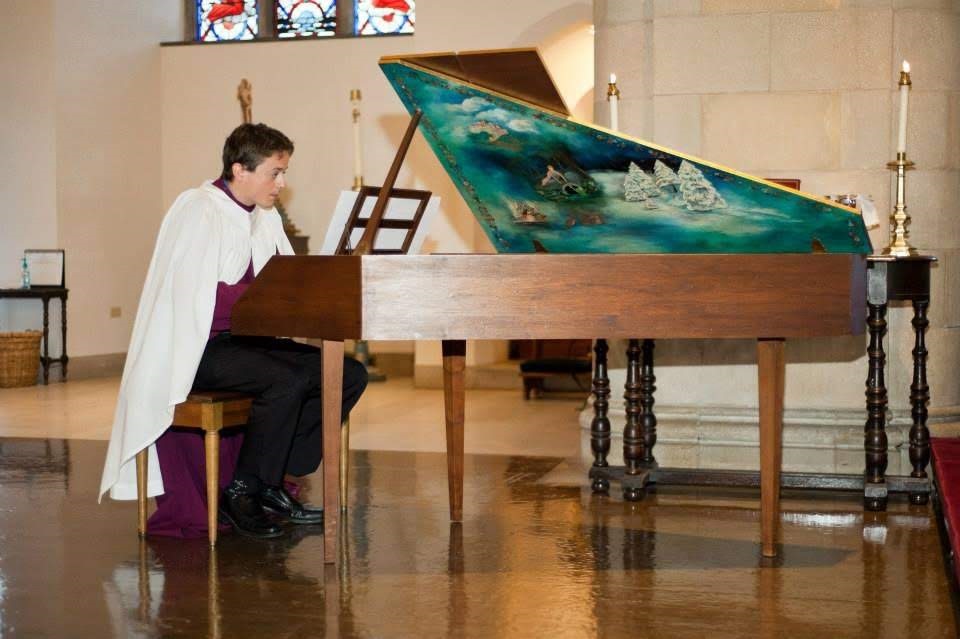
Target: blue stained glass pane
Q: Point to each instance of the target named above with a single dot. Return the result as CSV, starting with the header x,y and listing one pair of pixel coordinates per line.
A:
x,y
226,20
378,17
306,18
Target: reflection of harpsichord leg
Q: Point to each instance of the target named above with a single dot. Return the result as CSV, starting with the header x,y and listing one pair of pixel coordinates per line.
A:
x,y
600,426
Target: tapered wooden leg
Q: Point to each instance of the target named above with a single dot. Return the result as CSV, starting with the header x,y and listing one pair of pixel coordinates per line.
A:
x,y
211,446
332,380
344,463
454,352
772,371
142,492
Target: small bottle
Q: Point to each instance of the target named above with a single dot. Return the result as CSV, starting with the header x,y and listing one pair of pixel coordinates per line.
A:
x,y
24,273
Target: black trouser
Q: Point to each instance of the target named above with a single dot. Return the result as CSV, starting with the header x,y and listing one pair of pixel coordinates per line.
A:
x,y
284,434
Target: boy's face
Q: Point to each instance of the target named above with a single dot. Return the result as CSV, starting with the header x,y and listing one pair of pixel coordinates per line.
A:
x,y
261,186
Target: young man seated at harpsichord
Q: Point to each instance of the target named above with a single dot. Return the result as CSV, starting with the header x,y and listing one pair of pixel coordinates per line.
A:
x,y
212,243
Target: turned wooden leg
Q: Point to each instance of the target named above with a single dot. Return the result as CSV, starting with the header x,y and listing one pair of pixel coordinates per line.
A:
x,y
600,426
632,441
772,371
919,396
454,364
875,435
648,420
142,492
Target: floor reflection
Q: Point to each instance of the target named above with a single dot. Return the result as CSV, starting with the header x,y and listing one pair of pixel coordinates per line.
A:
x,y
531,558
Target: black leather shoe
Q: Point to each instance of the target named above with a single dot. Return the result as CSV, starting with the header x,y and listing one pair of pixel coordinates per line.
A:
x,y
242,510
278,501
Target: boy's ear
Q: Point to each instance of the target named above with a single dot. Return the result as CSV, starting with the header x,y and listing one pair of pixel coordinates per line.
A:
x,y
236,169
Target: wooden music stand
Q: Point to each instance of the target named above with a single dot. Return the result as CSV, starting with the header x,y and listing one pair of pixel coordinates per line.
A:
x,y
409,226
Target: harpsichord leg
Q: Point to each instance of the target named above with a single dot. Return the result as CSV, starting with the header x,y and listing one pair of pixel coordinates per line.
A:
x,y
454,352
772,371
332,391
600,426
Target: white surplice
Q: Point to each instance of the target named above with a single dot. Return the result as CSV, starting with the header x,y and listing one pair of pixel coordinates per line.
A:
x,y
205,238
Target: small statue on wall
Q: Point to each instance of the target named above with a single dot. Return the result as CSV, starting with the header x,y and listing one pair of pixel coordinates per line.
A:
x,y
245,96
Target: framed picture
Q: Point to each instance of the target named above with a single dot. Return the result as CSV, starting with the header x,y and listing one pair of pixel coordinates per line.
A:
x,y
47,267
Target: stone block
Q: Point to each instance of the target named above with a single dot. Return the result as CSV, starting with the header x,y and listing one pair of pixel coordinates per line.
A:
x,y
730,457
808,460
755,6
929,41
865,137
953,131
932,198
731,54
621,11
923,4
636,117
667,8
943,345
770,132
829,50
928,121
676,122
948,273
622,49
865,4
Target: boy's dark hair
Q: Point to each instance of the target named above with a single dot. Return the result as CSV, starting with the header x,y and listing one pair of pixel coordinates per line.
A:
x,y
251,144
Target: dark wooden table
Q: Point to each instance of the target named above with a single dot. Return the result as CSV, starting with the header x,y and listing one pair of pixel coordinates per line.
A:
x,y
45,294
889,279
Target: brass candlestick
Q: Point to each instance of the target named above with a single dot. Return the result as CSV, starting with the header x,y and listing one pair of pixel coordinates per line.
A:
x,y
900,219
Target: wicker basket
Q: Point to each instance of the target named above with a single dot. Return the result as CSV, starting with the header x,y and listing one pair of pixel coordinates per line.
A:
x,y
19,358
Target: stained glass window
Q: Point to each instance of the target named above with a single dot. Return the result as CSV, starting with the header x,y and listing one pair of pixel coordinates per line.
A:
x,y
226,20
306,18
378,17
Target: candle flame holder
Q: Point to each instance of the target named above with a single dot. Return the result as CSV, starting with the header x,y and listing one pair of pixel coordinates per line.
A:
x,y
899,220
612,91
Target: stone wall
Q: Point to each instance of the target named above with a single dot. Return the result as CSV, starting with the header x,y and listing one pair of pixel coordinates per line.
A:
x,y
803,89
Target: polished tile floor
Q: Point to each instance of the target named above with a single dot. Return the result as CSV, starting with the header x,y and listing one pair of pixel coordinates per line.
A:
x,y
536,556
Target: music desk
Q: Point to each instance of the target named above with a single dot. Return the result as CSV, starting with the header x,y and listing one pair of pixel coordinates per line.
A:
x,y
453,298
45,294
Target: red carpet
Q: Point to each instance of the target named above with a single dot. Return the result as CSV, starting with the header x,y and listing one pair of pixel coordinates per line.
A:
x,y
946,468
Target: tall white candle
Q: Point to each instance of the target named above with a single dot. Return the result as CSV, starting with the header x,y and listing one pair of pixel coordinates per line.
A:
x,y
613,96
904,99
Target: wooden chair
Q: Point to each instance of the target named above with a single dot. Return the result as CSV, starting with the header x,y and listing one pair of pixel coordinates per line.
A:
x,y
209,412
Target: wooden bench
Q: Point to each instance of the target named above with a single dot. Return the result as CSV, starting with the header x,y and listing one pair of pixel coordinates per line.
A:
x,y
210,412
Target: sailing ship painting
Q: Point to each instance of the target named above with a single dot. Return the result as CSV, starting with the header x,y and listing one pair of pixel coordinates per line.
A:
x,y
541,181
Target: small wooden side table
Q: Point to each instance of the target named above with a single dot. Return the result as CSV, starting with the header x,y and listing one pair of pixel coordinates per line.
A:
x,y
45,294
896,279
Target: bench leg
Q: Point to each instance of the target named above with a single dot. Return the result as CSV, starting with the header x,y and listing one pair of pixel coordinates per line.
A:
x,y
344,463
212,448
142,492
